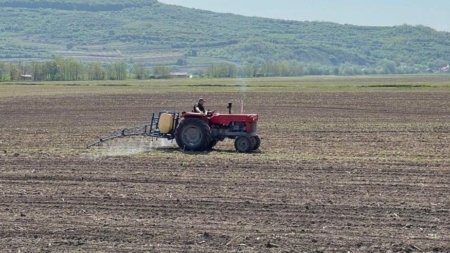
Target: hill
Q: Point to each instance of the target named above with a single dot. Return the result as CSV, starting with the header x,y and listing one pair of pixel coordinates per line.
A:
x,y
149,32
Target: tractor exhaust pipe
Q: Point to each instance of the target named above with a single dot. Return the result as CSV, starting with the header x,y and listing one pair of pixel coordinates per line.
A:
x,y
229,107
242,106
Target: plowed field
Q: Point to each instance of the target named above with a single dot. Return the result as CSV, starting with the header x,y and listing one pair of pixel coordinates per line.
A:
x,y
339,170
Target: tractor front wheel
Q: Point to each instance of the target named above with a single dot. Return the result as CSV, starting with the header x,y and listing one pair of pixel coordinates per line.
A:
x,y
243,144
193,134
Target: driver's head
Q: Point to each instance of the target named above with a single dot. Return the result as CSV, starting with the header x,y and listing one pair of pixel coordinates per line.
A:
x,y
201,101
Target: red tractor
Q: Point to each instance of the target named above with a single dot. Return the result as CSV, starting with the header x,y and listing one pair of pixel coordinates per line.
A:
x,y
198,132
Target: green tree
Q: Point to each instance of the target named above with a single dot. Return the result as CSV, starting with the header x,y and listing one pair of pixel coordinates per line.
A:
x,y
336,71
181,62
73,70
117,71
69,46
96,71
388,66
296,69
121,70
222,70
3,71
37,71
14,72
140,72
161,71
111,72
246,70
51,70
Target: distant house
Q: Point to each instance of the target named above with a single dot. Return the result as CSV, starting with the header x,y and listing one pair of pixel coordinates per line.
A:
x,y
26,77
179,75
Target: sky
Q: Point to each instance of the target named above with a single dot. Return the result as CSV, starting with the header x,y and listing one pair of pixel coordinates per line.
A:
x,y
432,13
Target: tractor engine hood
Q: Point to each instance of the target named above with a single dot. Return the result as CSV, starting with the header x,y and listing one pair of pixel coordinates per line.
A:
x,y
225,119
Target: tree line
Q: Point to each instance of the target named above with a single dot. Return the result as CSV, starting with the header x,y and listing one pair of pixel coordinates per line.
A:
x,y
59,69
69,69
231,70
293,68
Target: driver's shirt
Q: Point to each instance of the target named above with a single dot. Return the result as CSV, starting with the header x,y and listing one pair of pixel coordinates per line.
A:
x,y
200,107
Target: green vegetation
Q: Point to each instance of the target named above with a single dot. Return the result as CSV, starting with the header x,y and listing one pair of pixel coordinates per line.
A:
x,y
389,83
59,69
150,33
79,5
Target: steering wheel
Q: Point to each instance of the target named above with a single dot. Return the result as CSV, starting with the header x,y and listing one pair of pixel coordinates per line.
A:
x,y
210,113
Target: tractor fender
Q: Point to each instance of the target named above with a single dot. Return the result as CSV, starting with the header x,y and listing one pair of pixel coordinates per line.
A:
x,y
193,115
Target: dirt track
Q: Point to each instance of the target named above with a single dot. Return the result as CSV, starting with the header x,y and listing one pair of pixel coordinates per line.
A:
x,y
337,172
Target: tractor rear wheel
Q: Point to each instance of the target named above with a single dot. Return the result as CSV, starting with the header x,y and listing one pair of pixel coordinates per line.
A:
x,y
243,144
193,134
256,142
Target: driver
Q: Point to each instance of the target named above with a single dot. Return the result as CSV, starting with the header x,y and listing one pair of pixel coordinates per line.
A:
x,y
199,106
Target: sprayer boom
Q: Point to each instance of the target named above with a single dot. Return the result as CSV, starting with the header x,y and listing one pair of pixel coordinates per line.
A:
x,y
126,132
157,128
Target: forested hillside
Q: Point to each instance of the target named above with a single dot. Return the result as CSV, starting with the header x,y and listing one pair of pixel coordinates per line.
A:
x,y
151,33
79,5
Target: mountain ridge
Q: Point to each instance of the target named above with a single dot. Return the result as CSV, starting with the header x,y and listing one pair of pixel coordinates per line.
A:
x,y
148,29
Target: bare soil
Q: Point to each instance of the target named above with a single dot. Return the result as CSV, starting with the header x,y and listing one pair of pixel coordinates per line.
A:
x,y
336,172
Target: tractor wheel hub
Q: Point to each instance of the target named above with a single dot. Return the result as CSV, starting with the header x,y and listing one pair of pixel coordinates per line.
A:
x,y
192,135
